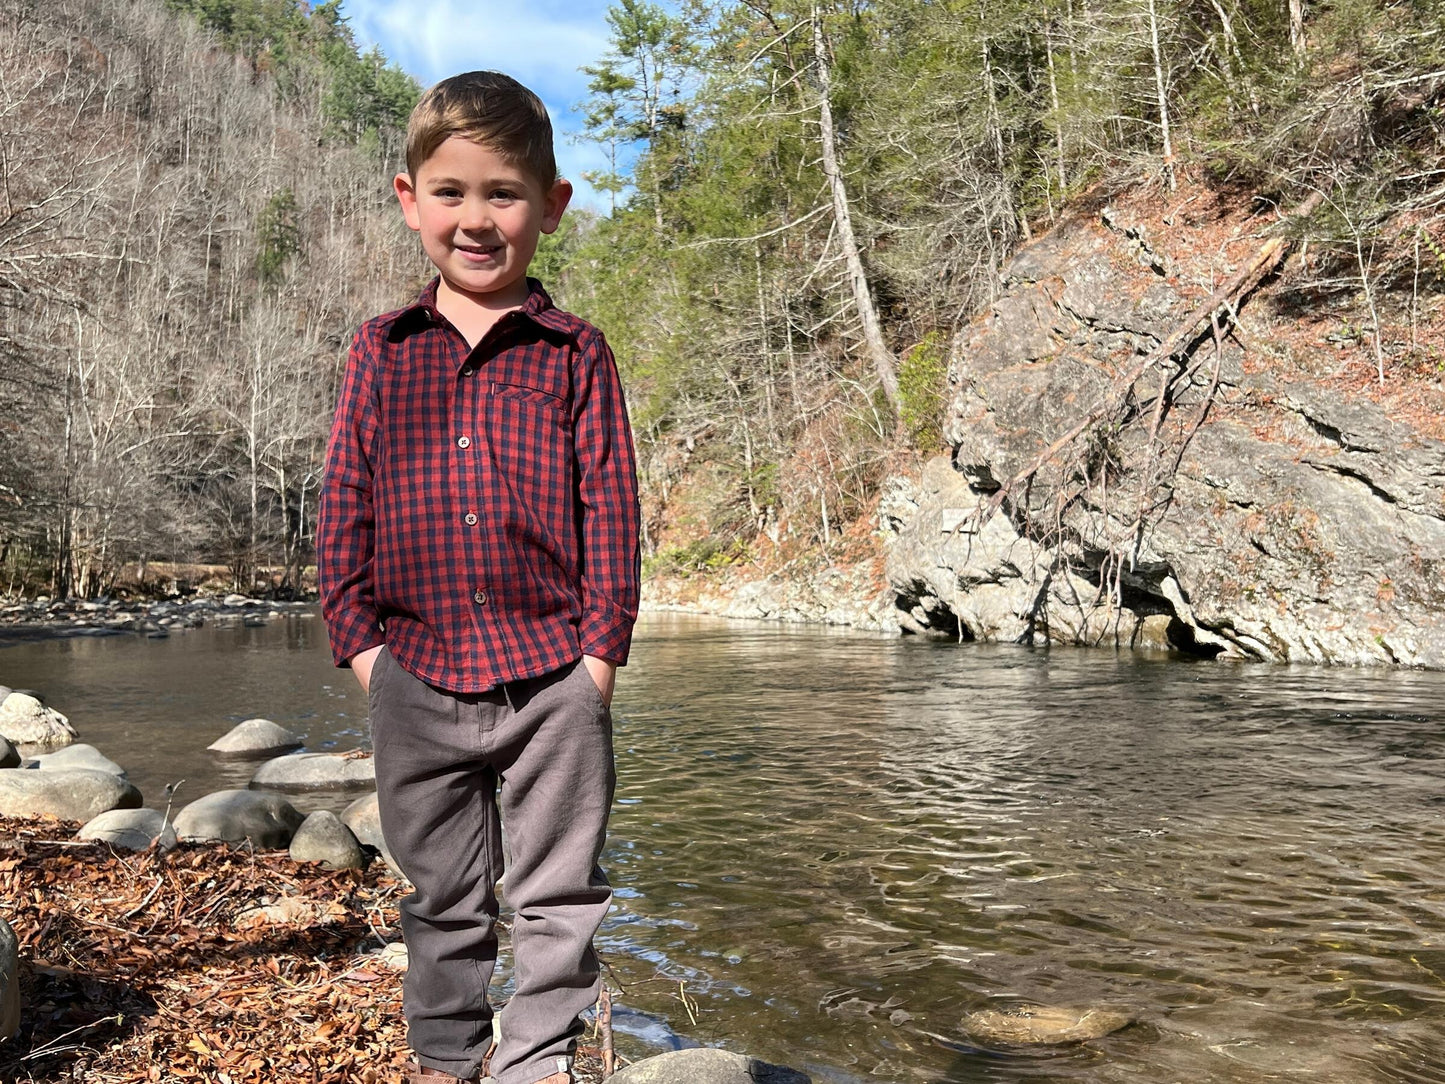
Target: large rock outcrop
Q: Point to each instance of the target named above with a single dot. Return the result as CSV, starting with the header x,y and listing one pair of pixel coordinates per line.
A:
x,y
1267,509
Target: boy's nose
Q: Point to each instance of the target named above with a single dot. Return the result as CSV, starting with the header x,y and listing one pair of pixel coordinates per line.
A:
x,y
476,215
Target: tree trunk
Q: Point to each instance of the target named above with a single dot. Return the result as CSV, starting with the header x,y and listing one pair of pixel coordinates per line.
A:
x,y
882,358
1161,87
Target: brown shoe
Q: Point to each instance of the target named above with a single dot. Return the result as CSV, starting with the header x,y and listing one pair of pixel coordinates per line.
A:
x,y
416,1073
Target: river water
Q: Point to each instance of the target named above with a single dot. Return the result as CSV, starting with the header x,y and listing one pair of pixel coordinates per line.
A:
x,y
829,848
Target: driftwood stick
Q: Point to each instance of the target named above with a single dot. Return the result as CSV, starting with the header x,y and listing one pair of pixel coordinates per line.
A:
x,y
604,1025
1270,255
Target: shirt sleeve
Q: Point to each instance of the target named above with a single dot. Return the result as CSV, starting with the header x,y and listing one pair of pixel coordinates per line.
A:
x,y
346,527
607,485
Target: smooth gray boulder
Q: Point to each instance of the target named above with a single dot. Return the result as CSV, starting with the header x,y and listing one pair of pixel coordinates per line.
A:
x,y
264,818
363,817
317,771
131,829
9,757
26,721
323,838
9,982
706,1065
76,756
72,794
255,738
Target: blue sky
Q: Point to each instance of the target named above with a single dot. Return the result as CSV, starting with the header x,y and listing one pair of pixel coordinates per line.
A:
x,y
542,43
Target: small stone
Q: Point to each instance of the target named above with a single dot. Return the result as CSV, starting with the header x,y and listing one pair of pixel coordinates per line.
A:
x,y
131,829
1042,1025
26,721
317,771
255,738
392,957
71,794
323,838
77,756
264,818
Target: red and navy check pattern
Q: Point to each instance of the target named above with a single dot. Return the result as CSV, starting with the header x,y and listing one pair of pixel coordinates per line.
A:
x,y
479,514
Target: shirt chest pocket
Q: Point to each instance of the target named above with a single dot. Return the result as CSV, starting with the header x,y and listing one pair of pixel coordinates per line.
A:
x,y
521,393
531,446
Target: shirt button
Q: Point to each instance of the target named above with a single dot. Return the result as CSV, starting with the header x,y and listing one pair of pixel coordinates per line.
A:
x,y
464,442
471,518
468,370
479,597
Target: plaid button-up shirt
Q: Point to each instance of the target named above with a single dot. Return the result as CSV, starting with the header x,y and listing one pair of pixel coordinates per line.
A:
x,y
479,514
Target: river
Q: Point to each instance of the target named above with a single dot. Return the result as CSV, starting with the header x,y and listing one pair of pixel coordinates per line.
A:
x,y
829,847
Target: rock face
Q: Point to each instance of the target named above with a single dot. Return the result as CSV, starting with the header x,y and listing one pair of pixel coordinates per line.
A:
x,y
1263,514
9,982
26,721
255,738
266,819
706,1065
72,794
316,771
79,755
131,829
323,838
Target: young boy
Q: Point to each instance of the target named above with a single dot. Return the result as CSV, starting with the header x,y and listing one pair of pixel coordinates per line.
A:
x,y
478,564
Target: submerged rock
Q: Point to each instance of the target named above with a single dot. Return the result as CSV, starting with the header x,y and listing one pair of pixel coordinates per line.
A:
x,y
26,721
1042,1025
706,1065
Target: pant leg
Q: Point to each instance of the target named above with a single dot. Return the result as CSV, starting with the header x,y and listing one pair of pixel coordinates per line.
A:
x,y
437,799
557,782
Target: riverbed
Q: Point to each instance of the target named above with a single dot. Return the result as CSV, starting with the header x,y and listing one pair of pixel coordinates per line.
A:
x,y
829,847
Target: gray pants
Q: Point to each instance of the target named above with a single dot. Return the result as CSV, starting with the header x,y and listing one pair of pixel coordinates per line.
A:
x,y
441,759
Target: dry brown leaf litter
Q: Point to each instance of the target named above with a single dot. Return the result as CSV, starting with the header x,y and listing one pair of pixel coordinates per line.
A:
x,y
211,963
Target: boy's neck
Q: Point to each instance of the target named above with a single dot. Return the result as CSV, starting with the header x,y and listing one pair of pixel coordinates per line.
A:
x,y
473,315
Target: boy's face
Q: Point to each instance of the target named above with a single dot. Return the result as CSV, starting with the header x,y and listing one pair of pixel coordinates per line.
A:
x,y
479,218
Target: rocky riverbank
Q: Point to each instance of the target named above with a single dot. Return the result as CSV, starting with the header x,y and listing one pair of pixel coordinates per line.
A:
x,y
43,618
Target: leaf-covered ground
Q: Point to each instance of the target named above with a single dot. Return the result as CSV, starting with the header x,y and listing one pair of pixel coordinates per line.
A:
x,y
211,963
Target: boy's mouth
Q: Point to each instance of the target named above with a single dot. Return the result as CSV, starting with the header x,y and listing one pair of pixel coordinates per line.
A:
x,y
479,252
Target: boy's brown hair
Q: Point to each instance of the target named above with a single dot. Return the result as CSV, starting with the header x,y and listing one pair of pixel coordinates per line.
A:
x,y
488,108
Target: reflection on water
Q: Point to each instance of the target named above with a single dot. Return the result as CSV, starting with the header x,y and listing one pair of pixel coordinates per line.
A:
x,y
839,845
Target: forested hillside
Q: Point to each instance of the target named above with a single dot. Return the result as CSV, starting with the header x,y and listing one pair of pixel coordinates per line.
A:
x,y
194,216
807,202
827,192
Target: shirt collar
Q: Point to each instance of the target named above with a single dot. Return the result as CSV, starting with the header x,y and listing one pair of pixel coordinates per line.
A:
x,y
538,307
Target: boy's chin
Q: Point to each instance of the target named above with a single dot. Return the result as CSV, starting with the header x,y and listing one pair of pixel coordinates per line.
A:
x,y
487,295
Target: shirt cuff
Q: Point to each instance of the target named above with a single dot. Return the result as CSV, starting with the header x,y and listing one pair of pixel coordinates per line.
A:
x,y
352,633
606,636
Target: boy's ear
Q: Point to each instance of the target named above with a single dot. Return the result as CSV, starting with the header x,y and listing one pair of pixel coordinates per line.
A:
x,y
553,204
406,196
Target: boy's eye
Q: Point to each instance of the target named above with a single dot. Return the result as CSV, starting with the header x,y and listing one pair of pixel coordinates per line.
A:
x,y
504,194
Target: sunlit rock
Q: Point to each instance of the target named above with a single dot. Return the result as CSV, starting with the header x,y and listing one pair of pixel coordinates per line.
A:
x,y
131,829
317,771
264,818
72,794
26,721
255,738
323,838
77,756
706,1065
